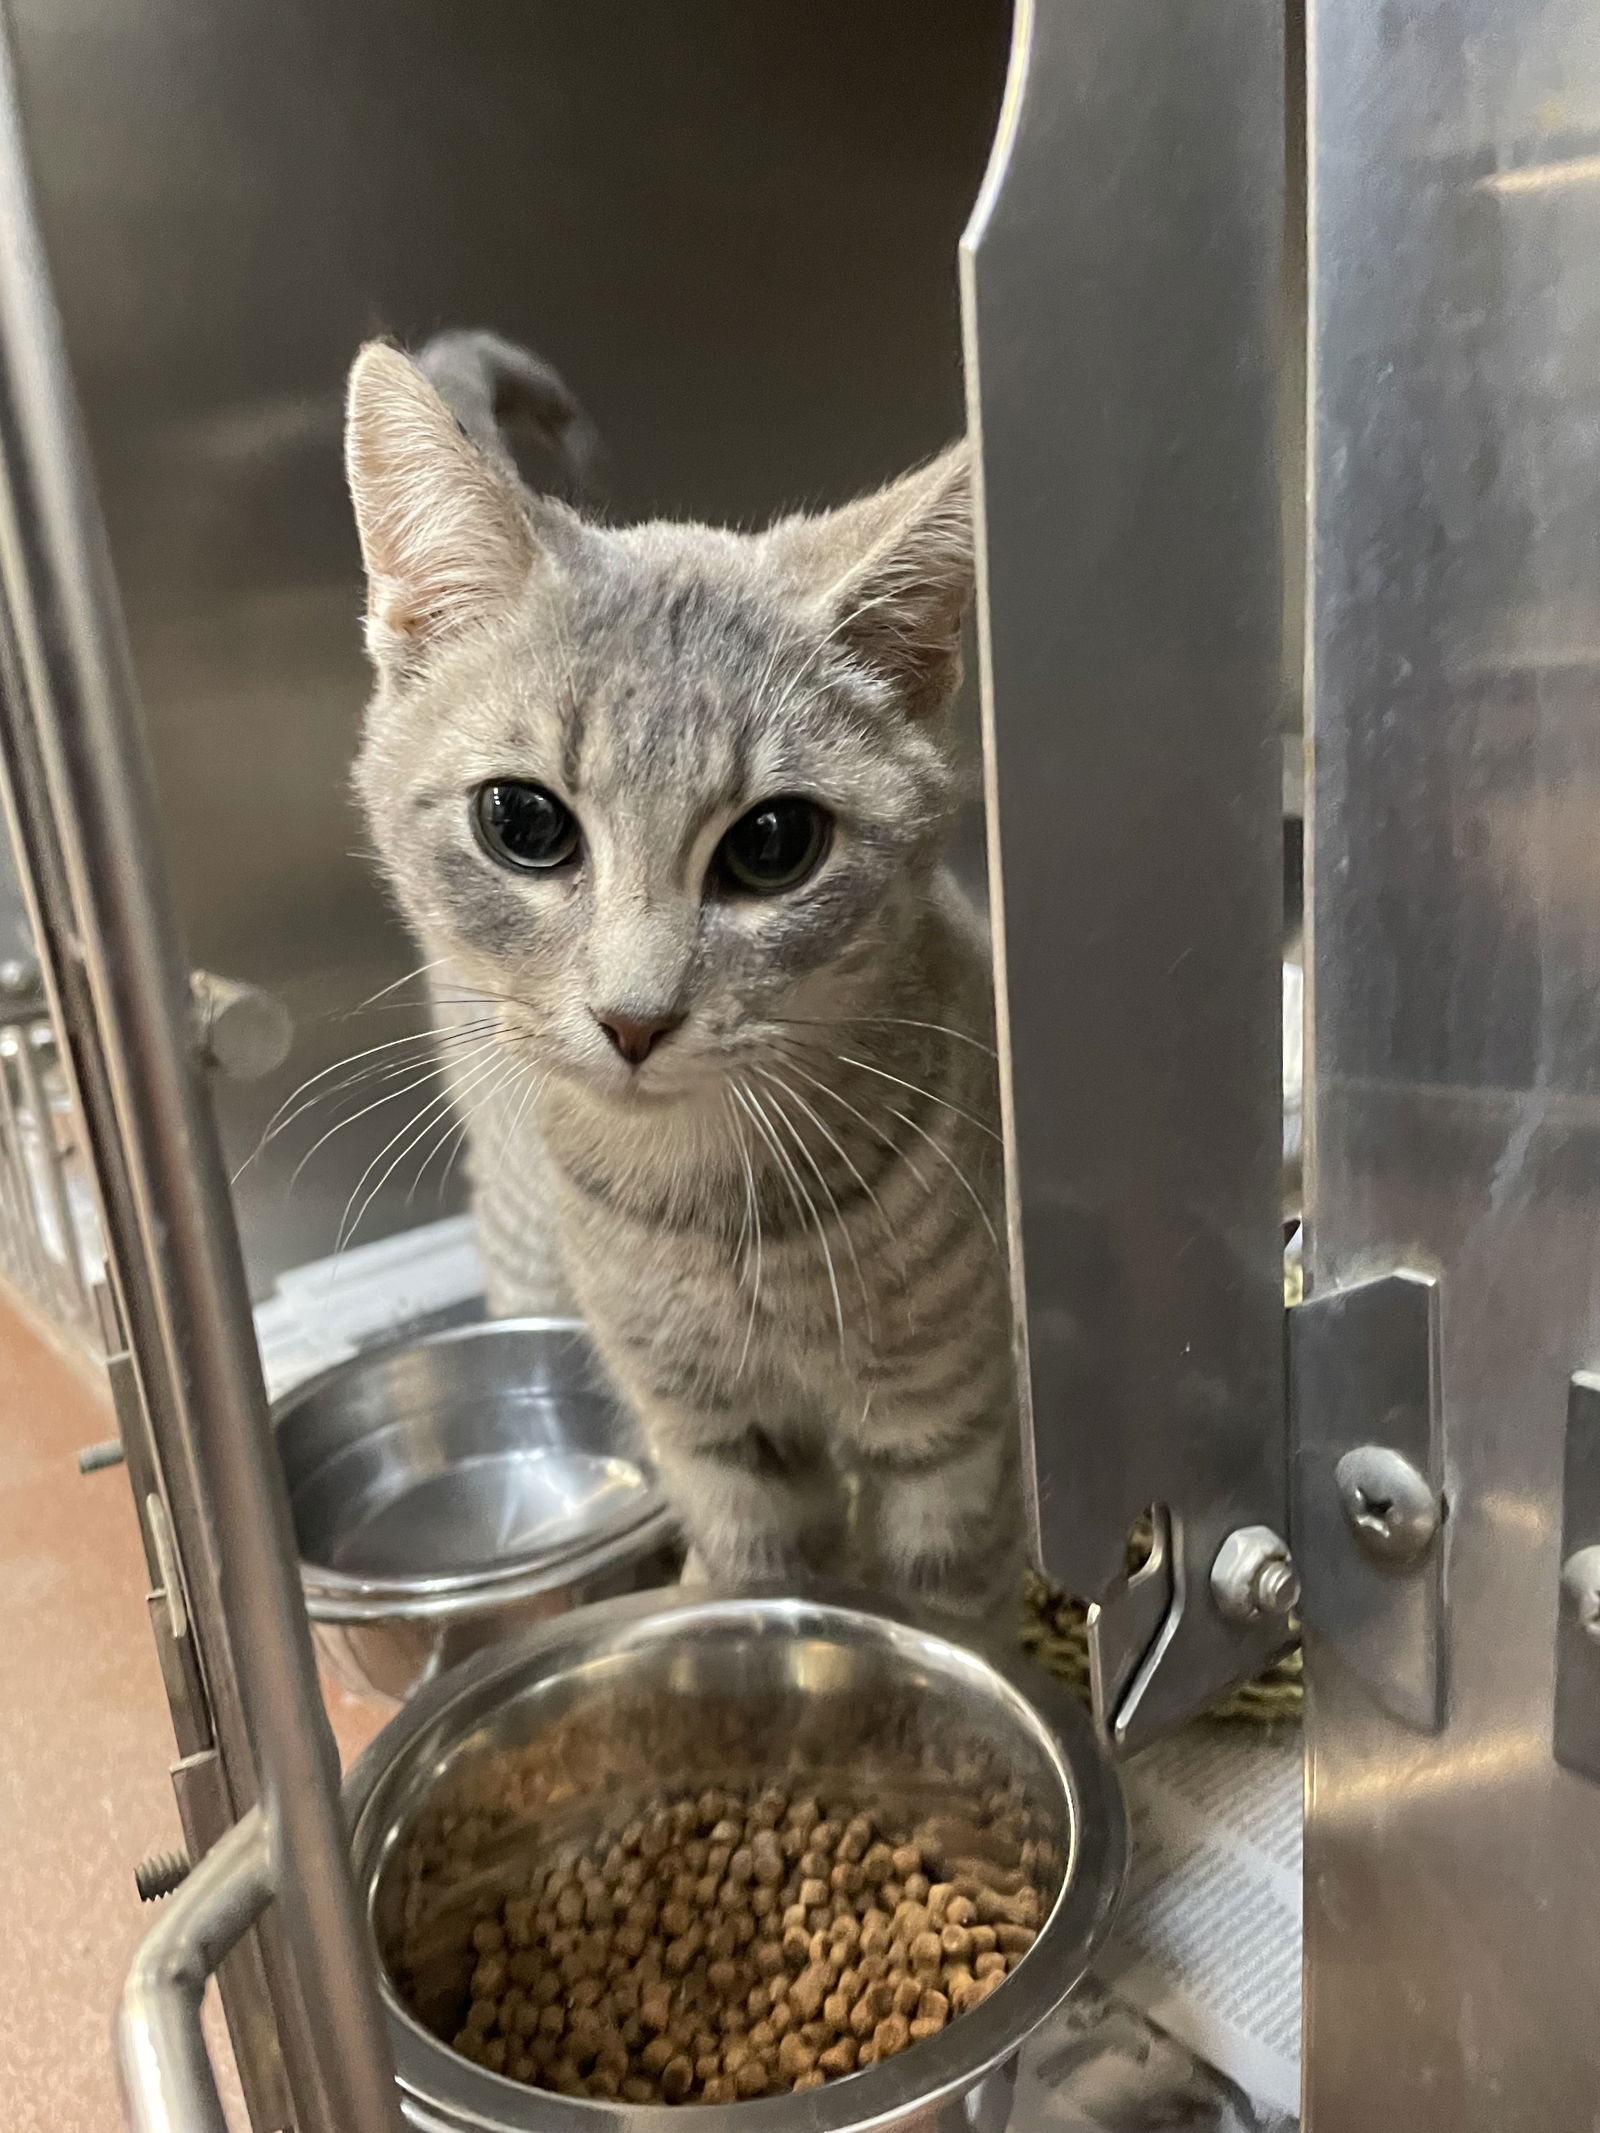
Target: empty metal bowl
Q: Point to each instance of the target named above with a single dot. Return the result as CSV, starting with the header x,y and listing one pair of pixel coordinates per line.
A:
x,y
613,1705
451,1489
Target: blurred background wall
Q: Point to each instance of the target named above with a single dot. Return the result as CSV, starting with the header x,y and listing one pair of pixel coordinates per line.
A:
x,y
731,223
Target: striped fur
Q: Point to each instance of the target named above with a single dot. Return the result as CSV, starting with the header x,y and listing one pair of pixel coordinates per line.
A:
x,y
782,1227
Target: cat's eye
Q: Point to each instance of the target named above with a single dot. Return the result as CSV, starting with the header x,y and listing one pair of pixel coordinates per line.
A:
x,y
526,826
776,846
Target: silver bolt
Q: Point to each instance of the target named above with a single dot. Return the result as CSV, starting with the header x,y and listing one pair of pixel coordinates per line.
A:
x,y
1254,1575
1580,1582
1392,1510
95,1458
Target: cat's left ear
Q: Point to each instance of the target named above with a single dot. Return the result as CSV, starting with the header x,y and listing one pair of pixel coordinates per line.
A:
x,y
894,574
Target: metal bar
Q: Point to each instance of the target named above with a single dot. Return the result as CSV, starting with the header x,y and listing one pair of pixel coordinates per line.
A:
x,y
1122,290
79,790
167,2078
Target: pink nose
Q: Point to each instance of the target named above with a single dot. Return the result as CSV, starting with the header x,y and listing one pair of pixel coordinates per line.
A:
x,y
636,1036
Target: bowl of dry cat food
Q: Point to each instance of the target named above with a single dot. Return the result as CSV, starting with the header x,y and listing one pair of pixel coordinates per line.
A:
x,y
794,1859
448,1490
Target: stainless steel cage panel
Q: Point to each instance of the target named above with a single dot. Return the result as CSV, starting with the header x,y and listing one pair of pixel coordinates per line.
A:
x,y
230,1621
1124,276
1453,1876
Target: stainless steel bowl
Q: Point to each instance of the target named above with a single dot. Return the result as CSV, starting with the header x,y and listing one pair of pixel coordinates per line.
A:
x,y
647,1694
453,1489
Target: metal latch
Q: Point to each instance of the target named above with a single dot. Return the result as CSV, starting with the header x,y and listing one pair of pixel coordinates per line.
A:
x,y
1367,1490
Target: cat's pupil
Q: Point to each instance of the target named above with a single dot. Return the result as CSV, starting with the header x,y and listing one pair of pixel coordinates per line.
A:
x,y
525,825
776,846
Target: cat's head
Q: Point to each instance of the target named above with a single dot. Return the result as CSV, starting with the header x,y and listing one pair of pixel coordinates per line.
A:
x,y
668,792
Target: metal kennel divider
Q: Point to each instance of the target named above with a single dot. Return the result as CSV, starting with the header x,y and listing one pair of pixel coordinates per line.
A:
x,y
257,1778
1263,303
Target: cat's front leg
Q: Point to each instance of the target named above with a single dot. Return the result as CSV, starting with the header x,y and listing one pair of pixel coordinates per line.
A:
x,y
759,1502
941,1497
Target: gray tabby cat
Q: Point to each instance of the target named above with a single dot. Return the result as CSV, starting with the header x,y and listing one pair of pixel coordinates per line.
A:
x,y
664,807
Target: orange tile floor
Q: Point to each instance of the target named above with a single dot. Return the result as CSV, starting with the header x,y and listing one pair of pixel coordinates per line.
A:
x,y
84,1743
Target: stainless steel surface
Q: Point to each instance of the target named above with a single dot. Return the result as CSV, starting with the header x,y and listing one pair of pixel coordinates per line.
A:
x,y
1391,1508
1365,1360
1122,286
1254,1575
1576,1725
1452,1912
732,228
643,1690
78,802
162,2057
454,1488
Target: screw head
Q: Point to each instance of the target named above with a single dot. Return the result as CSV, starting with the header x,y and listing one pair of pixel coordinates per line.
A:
x,y
1254,1575
1393,1512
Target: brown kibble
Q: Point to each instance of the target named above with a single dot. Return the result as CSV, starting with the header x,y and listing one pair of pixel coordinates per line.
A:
x,y
917,1889
494,2055
960,1911
956,1942
809,1990
655,2007
488,1938
984,1938
489,1978
796,1946
795,2057
866,2056
989,1966
1012,1940
909,1920
813,1891
682,1952
857,1838
892,2035
839,2058
635,2090
961,1989
718,2088
1022,1909
938,1896
907,1996
933,2007
846,1878
907,1859
926,1950
762,2037
741,1867
767,1955
752,2077
677,2079
876,1933
605,2082
813,2080
676,1918
825,1837
657,2055
836,2010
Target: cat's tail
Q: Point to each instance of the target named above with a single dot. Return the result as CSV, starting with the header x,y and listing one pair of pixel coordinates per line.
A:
x,y
497,390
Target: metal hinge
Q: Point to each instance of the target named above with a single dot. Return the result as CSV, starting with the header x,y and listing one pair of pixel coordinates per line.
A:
x,y
1367,1499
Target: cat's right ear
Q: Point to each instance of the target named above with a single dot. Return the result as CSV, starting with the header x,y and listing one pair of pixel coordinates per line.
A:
x,y
444,538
